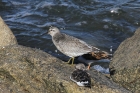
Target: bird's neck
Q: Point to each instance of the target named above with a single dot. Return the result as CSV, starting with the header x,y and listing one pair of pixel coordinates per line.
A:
x,y
58,36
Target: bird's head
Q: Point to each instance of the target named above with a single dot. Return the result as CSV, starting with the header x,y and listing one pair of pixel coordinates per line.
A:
x,y
53,30
80,66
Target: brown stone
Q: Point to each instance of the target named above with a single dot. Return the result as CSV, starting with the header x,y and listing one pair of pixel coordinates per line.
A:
x,y
28,70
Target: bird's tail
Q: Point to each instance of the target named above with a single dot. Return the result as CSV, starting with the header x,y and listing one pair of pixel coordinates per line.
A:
x,y
95,49
98,54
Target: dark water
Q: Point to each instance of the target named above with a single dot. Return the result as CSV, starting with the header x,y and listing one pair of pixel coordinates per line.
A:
x,y
101,23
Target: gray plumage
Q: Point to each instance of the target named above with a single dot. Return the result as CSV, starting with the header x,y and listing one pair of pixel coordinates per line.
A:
x,y
80,66
69,45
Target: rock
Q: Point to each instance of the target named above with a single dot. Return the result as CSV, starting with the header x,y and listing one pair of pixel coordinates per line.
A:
x,y
29,70
6,35
125,66
24,69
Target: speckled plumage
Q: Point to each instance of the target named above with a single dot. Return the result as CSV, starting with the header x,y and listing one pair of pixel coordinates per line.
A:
x,y
80,76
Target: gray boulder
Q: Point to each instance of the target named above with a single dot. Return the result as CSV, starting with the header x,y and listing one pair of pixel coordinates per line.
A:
x,y
125,66
6,35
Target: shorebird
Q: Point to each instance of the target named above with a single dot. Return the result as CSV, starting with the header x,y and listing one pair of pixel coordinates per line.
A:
x,y
69,45
80,76
93,57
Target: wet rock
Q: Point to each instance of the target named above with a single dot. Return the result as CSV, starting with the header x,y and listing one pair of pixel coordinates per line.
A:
x,y
125,66
6,35
29,70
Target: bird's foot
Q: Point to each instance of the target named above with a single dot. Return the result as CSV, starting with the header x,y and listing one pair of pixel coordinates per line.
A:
x,y
71,59
88,68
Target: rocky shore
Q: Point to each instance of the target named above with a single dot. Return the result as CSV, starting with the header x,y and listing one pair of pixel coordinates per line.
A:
x,y
125,66
28,70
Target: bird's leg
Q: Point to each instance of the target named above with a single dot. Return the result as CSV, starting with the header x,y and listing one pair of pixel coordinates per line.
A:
x,y
72,60
88,67
69,60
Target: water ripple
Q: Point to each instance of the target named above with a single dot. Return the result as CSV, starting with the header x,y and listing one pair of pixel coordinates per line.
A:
x,y
102,23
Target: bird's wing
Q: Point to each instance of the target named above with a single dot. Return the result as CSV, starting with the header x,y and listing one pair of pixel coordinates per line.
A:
x,y
72,44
